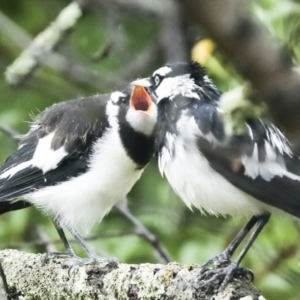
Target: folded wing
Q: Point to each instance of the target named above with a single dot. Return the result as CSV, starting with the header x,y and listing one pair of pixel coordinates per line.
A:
x,y
56,148
260,163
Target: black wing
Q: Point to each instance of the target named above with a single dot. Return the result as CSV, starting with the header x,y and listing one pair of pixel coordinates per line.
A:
x,y
75,125
259,162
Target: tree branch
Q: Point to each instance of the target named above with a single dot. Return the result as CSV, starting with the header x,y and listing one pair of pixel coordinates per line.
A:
x,y
255,54
43,44
14,135
143,232
28,277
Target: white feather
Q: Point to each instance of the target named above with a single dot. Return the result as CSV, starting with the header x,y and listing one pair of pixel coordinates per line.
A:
x,y
179,85
250,131
142,121
112,110
163,71
272,166
251,163
86,199
278,141
115,96
15,169
192,178
44,157
166,152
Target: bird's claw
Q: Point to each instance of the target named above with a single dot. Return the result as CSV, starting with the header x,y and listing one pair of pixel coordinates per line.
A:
x,y
223,275
223,259
66,254
114,262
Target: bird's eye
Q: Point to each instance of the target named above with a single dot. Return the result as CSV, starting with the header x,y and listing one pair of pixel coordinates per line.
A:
x,y
123,100
156,80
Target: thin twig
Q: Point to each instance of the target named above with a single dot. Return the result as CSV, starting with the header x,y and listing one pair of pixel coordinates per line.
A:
x,y
39,242
143,232
44,238
13,134
5,285
55,61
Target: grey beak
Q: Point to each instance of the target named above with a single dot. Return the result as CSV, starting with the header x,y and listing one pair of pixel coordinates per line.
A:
x,y
145,82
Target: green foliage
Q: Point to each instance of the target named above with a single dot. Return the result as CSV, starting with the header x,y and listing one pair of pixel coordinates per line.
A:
x,y
188,236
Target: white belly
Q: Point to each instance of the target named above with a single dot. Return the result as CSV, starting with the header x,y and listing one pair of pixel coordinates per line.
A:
x,y
199,185
86,199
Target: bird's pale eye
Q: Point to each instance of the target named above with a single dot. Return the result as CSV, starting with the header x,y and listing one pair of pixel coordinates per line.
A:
x,y
156,80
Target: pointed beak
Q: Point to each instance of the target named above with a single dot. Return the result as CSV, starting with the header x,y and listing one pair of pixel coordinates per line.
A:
x,y
145,82
140,100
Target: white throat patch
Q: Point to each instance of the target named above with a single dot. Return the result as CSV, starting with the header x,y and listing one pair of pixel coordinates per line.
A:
x,y
141,121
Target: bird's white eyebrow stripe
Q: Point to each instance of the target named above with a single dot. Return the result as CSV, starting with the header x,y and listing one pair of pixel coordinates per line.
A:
x,y
162,71
115,96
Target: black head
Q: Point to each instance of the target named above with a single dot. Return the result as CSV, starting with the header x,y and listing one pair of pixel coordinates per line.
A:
x,y
185,96
188,80
192,70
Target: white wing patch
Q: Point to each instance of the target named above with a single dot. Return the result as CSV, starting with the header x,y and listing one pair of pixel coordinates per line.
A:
x,y
44,157
278,140
272,166
15,169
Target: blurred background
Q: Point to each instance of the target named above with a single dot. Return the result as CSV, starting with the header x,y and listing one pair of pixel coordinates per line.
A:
x,y
114,42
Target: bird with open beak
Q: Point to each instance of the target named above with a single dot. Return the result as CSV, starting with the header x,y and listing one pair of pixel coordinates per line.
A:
x,y
79,158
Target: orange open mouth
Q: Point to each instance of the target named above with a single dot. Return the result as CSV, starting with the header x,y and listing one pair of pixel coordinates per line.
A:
x,y
140,99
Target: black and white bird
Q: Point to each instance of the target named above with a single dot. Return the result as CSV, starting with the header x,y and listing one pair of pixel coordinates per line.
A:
x,y
251,174
79,158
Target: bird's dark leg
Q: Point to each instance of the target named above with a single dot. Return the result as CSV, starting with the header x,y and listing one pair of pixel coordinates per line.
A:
x,y
224,258
92,256
68,247
260,224
69,252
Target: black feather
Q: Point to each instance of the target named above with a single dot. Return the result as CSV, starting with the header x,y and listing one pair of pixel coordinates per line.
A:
x,y
76,125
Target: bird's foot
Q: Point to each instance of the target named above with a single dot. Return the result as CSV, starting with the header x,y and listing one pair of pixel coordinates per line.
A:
x,y
223,259
112,261
223,275
66,254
